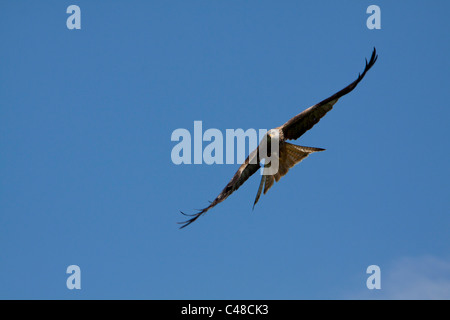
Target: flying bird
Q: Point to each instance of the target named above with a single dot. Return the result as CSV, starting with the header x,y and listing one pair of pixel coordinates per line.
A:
x,y
287,155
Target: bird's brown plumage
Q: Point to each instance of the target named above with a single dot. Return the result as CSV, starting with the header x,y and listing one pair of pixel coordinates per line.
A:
x,y
289,154
298,125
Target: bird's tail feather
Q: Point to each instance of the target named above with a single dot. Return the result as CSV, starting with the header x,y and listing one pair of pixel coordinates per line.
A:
x,y
289,156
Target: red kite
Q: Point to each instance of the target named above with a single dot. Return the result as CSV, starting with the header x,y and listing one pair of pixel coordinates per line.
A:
x,y
288,155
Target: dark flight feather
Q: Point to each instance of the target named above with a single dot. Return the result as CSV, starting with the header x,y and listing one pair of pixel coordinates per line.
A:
x,y
298,125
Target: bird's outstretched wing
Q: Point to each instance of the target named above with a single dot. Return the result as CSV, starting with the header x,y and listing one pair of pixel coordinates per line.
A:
x,y
305,120
248,168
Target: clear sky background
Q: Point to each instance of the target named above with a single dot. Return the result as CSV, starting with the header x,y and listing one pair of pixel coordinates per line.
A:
x,y
86,176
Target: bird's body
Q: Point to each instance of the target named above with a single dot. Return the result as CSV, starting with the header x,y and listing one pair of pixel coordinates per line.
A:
x,y
275,148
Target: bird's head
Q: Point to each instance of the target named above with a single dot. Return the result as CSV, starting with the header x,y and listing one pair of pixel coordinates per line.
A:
x,y
272,134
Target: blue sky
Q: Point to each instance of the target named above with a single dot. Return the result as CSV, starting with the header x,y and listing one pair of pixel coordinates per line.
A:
x,y
86,176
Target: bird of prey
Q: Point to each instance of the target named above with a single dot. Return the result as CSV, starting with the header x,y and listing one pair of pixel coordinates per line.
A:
x,y
288,155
